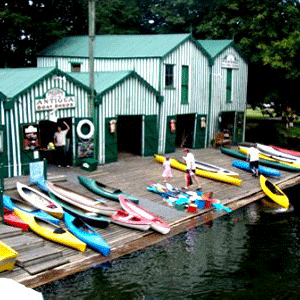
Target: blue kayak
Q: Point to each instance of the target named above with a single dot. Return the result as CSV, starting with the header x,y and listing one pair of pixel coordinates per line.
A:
x,y
261,170
11,203
86,233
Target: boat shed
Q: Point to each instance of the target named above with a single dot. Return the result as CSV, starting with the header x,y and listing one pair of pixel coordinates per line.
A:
x,y
126,114
228,89
35,101
175,65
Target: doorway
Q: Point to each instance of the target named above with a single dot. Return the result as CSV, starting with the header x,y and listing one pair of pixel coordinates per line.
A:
x,y
185,130
47,130
129,134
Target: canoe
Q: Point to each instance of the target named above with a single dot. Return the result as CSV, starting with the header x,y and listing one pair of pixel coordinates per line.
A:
x,y
211,175
104,190
51,231
87,234
88,204
274,192
155,222
39,200
273,153
212,168
287,151
268,163
261,170
91,218
12,203
8,257
123,218
272,158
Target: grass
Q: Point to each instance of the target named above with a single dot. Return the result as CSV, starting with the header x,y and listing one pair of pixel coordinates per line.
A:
x,y
256,114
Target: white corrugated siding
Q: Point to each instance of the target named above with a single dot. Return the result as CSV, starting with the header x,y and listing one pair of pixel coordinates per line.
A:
x,y
186,54
131,97
24,112
148,68
239,88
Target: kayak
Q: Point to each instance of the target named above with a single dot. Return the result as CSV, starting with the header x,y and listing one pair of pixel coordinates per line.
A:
x,y
274,192
10,218
261,170
91,218
271,152
89,204
87,234
211,175
287,151
8,257
268,163
212,168
155,222
12,203
51,231
123,218
104,190
273,158
39,200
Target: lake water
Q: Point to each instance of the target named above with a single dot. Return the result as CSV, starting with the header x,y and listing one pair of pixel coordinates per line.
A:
x,y
247,254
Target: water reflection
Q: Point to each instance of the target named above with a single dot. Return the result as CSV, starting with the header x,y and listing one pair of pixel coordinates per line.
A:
x,y
245,255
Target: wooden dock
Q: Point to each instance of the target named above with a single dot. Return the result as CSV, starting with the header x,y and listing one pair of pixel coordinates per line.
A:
x,y
42,261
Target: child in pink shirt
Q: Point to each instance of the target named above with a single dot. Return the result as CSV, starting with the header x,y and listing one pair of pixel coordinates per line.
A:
x,y
167,174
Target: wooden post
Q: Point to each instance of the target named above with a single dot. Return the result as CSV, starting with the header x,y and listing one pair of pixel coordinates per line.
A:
x,y
1,192
91,51
45,168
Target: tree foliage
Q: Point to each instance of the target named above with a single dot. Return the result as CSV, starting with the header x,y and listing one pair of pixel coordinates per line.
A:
x,y
267,32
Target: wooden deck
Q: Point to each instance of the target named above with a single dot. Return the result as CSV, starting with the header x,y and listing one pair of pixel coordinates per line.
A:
x,y
42,261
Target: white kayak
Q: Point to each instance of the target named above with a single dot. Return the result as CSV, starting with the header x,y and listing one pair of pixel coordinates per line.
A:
x,y
39,200
273,153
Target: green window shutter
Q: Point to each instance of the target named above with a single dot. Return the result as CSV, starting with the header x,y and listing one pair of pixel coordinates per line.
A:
x,y
184,85
229,86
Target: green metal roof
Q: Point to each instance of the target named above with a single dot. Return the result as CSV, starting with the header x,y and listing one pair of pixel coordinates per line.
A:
x,y
117,46
16,80
215,47
105,81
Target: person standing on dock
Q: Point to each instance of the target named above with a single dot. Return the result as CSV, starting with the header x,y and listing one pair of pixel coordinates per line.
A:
x,y
253,157
190,167
167,174
60,144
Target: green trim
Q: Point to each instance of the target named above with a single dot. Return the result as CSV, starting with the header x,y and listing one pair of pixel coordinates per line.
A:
x,y
9,104
209,105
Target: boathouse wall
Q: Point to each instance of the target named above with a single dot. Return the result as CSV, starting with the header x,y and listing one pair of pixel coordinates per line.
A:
x,y
238,99
131,97
22,110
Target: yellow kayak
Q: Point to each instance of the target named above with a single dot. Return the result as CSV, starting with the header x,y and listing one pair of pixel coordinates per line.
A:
x,y
274,192
8,257
211,175
273,159
50,231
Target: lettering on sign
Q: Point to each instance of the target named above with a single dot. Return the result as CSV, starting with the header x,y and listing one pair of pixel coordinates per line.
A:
x,y
230,62
55,99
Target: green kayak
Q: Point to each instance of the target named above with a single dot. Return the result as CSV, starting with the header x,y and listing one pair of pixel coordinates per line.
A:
x,y
104,190
272,164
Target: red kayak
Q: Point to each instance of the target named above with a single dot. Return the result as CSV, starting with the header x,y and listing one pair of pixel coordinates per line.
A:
x,y
287,151
123,218
155,222
10,218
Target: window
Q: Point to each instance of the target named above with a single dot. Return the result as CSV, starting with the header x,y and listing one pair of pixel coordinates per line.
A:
x,y
229,86
75,67
169,78
184,85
